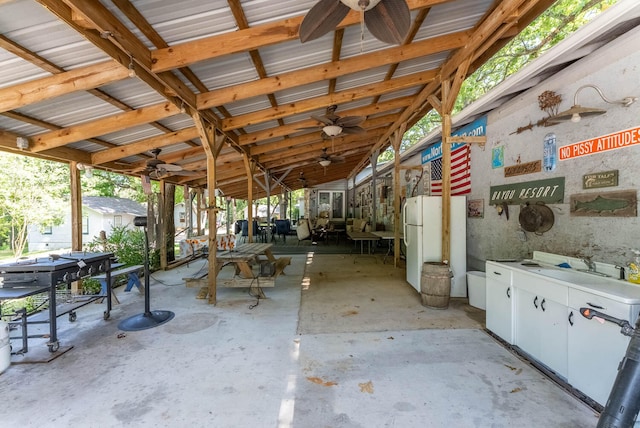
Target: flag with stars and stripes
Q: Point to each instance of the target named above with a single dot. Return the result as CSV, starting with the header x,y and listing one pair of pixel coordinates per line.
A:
x,y
460,173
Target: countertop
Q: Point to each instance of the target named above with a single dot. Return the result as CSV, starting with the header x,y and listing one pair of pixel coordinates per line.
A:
x,y
612,288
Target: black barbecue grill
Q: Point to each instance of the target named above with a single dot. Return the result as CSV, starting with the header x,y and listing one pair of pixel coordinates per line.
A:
x,y
29,277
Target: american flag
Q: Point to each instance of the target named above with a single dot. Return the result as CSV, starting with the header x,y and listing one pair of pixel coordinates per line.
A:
x,y
460,173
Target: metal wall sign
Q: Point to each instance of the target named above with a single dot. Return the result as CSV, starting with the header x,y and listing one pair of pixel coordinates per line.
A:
x,y
618,140
600,179
523,168
549,191
477,128
623,203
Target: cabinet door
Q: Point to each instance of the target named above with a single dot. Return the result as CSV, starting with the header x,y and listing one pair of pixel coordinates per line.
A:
x,y
528,323
595,350
499,309
541,330
553,336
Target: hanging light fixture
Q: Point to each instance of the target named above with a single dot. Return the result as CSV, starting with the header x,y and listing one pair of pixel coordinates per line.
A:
x,y
332,130
88,169
22,143
325,163
577,112
132,70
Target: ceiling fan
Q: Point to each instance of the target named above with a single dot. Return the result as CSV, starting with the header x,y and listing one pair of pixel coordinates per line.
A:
x,y
325,160
387,20
334,125
158,169
302,180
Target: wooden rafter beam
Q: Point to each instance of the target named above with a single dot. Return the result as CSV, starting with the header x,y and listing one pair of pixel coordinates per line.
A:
x,y
303,106
80,79
252,38
281,131
332,70
303,141
147,144
103,126
499,20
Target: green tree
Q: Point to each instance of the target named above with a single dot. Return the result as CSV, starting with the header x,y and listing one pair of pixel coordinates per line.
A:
x,y
32,192
105,183
550,28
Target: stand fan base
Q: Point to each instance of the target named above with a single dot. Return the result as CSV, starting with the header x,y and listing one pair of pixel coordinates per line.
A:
x,y
146,320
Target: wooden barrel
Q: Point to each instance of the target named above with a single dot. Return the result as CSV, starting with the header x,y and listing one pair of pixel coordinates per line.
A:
x,y
435,285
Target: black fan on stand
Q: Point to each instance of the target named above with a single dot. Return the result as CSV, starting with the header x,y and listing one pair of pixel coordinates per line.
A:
x,y
149,318
388,20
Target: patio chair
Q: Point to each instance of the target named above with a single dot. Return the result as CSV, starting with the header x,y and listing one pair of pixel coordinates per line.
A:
x,y
282,229
303,231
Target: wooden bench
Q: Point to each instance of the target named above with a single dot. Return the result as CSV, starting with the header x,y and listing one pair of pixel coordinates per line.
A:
x,y
133,278
240,281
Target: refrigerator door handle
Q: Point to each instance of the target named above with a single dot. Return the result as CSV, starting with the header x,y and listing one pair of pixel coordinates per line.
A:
x,y
404,224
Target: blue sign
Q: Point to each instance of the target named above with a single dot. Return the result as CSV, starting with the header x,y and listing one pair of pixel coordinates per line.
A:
x,y
476,128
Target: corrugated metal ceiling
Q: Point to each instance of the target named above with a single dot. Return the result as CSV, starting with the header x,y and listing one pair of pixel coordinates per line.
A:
x,y
257,85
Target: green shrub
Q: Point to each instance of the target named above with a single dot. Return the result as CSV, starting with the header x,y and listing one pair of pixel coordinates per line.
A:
x,y
91,286
127,245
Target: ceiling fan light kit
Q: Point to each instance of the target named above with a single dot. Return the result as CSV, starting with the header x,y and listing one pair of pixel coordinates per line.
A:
x,y
332,130
325,163
361,4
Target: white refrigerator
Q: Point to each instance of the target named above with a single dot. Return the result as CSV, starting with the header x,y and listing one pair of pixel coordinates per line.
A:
x,y
422,217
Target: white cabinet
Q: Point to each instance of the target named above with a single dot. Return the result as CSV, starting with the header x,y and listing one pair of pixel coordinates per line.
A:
x,y
538,310
595,348
499,315
541,320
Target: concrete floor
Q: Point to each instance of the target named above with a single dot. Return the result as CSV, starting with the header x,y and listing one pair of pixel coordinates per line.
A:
x,y
240,365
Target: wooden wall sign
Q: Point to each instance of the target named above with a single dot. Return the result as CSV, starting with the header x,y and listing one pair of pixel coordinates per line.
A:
x,y
549,191
622,203
600,179
523,168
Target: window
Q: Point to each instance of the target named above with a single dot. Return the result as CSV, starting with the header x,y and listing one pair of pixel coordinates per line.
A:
x,y
47,230
117,220
337,205
331,205
85,225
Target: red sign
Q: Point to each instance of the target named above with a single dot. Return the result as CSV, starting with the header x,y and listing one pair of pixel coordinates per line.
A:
x,y
617,140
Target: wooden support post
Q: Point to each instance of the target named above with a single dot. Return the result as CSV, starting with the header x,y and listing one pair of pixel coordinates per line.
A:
x,y
395,143
373,158
162,245
76,214
199,205
250,167
212,144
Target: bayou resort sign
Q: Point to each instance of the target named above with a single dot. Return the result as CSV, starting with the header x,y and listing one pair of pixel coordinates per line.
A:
x,y
549,191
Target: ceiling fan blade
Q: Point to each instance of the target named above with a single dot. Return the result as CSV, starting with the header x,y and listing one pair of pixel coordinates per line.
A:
x,y
353,130
389,21
169,167
350,121
185,173
322,18
310,128
323,119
